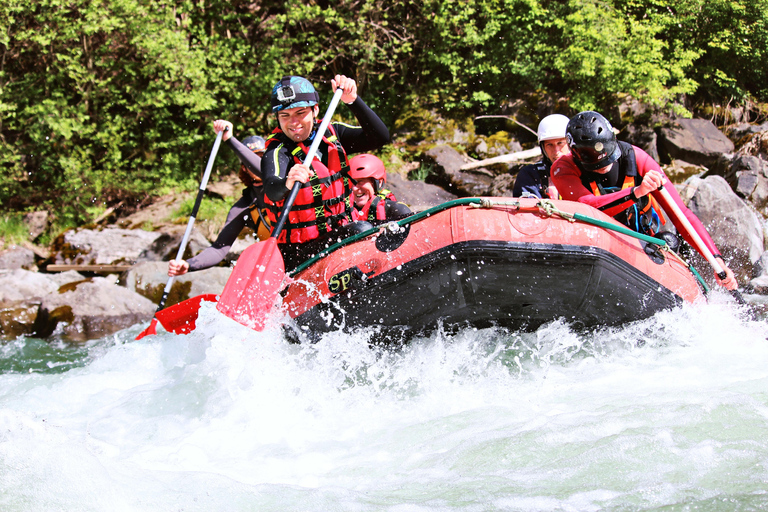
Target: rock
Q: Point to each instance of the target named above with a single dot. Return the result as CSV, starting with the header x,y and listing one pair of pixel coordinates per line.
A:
x,y
91,309
679,171
159,212
757,145
241,244
502,186
17,318
734,227
15,257
644,138
36,222
166,246
149,279
62,278
23,285
416,194
697,141
450,176
102,247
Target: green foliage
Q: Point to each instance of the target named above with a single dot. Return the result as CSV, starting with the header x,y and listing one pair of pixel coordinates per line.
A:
x,y
12,230
210,209
111,100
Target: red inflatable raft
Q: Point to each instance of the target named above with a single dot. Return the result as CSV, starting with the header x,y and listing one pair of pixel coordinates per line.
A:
x,y
515,263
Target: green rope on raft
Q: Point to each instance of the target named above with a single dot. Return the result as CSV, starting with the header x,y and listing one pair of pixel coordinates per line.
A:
x,y
545,205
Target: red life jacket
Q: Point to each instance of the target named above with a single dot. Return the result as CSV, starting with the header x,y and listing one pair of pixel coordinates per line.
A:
x,y
324,201
375,209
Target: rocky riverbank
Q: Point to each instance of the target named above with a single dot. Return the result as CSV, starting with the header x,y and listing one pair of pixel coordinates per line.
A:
x,y
721,173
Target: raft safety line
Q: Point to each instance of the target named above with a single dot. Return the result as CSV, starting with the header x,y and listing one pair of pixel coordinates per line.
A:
x,y
544,205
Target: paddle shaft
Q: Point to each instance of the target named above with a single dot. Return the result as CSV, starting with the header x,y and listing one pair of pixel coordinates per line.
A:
x,y
191,222
307,161
700,245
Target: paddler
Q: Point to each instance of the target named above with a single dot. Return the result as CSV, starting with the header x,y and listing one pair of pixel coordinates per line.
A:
x,y
622,180
323,205
248,211
370,200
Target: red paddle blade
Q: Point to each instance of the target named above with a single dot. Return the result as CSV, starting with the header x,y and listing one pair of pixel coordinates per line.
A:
x,y
150,330
180,318
252,288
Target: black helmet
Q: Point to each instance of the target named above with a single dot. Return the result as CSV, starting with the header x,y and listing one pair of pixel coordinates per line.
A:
x,y
255,143
592,141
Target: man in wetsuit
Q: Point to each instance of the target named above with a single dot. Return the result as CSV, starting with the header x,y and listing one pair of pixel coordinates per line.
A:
x,y
246,212
323,205
533,180
621,180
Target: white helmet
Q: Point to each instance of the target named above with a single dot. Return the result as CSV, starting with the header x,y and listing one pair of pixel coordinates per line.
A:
x,y
552,127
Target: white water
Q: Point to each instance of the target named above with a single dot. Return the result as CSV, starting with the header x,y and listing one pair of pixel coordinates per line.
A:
x,y
667,414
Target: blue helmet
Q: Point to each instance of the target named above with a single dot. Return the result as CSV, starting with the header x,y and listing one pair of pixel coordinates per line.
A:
x,y
293,92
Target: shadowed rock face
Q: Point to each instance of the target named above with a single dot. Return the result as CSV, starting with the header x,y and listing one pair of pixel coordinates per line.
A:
x,y
696,141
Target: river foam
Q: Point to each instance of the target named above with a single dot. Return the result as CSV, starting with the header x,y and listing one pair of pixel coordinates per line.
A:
x,y
667,412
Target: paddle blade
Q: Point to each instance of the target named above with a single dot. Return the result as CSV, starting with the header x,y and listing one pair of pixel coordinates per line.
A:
x,y
150,330
252,288
180,318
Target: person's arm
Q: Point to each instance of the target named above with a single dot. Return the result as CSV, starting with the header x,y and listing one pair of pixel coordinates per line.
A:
x,y
248,158
369,136
526,183
566,177
215,254
275,166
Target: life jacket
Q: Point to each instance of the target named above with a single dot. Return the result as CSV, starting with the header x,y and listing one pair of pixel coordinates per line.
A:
x,y
643,216
376,208
324,202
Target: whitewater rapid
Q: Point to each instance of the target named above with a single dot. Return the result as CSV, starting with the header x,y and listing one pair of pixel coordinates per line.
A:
x,y
668,413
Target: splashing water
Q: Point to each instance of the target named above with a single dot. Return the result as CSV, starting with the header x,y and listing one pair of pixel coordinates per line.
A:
x,y
668,413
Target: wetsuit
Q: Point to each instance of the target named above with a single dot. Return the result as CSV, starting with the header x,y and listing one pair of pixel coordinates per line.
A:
x,y
575,185
533,180
241,214
370,135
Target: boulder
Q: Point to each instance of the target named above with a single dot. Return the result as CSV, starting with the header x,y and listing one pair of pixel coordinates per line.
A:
x,y
36,222
759,282
697,141
643,137
23,285
15,257
448,163
90,309
101,247
17,318
166,246
149,279
734,227
416,194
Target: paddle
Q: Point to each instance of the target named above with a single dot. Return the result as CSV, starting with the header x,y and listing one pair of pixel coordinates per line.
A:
x,y
252,289
152,328
700,245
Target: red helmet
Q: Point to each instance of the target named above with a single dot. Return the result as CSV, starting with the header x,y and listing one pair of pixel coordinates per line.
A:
x,y
367,166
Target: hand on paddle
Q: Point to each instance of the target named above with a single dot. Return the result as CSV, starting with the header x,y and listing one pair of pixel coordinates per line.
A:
x,y
729,283
220,125
652,181
177,267
347,85
300,173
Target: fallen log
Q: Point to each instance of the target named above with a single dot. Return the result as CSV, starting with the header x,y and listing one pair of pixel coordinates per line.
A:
x,y
503,159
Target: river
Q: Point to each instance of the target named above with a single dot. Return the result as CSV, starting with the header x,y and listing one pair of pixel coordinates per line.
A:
x,y
670,413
